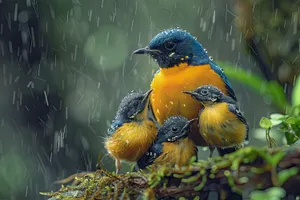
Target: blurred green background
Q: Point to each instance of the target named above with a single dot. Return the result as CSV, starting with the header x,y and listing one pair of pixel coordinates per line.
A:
x,y
66,64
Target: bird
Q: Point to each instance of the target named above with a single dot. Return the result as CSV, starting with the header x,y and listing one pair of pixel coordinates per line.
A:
x,y
221,123
132,132
172,145
183,65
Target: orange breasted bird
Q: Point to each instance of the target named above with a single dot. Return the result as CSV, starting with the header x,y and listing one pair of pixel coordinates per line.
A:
x,y
132,132
221,123
184,65
172,145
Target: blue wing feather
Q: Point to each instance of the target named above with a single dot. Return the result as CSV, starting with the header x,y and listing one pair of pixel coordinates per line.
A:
x,y
220,72
114,126
235,110
148,158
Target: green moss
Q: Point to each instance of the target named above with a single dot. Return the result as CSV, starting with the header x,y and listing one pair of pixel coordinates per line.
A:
x,y
106,185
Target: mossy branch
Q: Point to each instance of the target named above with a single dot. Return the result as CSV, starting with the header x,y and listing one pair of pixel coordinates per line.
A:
x,y
249,168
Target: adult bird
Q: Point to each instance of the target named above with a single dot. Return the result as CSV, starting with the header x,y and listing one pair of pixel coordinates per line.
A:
x,y
184,65
221,122
132,132
172,145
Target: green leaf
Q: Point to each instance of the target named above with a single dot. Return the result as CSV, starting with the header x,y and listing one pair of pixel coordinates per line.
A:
x,y
258,195
291,120
290,138
284,175
295,110
278,116
275,122
277,157
296,93
255,82
265,123
276,193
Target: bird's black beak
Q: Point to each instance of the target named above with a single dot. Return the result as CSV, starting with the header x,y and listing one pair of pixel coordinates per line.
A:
x,y
188,124
146,96
185,130
145,50
192,93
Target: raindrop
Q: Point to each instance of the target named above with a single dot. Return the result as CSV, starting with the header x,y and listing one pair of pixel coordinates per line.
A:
x,y
233,45
16,12
23,17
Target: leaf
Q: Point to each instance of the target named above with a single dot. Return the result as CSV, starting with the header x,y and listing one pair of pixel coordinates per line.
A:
x,y
275,122
265,123
255,82
276,193
296,93
258,195
278,116
291,120
290,138
277,157
284,175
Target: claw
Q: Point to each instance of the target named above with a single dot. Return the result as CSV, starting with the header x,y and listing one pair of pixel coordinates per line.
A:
x,y
118,165
212,149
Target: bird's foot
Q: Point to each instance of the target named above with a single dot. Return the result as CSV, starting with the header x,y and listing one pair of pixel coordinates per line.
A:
x,y
212,149
118,166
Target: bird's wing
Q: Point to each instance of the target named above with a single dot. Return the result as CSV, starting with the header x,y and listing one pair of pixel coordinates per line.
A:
x,y
235,110
220,72
149,157
114,126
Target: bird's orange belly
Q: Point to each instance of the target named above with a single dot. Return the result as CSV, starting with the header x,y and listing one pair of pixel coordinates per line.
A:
x,y
168,100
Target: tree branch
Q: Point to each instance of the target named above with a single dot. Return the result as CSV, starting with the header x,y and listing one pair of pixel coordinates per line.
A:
x,y
249,168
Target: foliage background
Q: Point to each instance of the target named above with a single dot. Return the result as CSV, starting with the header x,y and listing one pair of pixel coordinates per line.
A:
x,y
66,64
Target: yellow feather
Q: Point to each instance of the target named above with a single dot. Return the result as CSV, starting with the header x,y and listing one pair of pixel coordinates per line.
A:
x,y
221,128
131,140
179,152
167,98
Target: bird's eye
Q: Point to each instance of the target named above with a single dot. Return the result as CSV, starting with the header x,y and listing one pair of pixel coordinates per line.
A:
x,y
174,129
135,104
204,92
170,45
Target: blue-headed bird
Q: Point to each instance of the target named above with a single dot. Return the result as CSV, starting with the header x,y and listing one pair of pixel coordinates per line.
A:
x,y
132,132
221,122
184,65
172,145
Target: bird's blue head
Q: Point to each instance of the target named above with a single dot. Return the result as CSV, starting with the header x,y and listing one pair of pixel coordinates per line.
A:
x,y
174,46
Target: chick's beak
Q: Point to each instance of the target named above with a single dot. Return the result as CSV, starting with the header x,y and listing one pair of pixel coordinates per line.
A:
x,y
189,123
146,95
185,129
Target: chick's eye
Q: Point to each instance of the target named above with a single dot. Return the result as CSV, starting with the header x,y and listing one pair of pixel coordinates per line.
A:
x,y
135,104
174,129
204,92
170,45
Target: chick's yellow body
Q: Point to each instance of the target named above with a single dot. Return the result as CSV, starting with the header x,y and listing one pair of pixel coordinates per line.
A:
x,y
131,140
179,152
221,128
